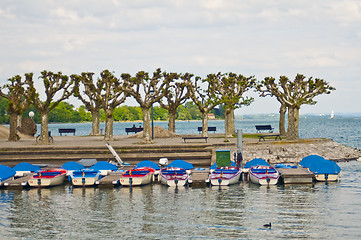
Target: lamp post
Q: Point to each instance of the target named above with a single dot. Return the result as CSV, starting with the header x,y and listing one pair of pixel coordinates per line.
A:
x,y
151,93
31,114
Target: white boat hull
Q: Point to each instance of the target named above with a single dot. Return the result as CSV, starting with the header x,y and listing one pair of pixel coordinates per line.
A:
x,y
263,181
47,182
329,178
84,181
136,181
174,182
263,175
221,181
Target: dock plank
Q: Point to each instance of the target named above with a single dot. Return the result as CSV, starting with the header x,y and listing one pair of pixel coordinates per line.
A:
x,y
295,175
18,182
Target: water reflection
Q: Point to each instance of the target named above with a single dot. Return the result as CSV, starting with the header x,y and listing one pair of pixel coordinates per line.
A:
x,y
322,210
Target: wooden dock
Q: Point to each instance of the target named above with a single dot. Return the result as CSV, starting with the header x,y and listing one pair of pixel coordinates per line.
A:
x,y
110,180
199,177
295,175
18,182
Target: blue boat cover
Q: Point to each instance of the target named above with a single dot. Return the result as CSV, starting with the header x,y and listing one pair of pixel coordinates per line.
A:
x,y
103,165
6,172
282,165
214,166
256,162
147,163
319,165
181,164
72,166
26,167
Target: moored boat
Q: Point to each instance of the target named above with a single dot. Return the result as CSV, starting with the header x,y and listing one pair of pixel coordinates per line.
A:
x,y
84,177
224,176
137,176
6,174
252,163
263,175
72,166
174,176
325,170
47,178
24,168
104,167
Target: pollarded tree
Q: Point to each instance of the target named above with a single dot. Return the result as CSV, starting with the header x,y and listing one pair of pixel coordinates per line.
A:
x,y
206,97
16,105
113,95
176,95
53,83
146,90
231,88
268,87
92,100
294,94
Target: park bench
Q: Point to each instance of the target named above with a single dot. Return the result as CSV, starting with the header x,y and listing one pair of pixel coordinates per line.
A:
x,y
66,130
210,129
133,129
269,135
194,137
260,128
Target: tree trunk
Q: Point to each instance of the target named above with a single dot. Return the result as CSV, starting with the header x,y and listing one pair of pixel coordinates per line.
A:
x,y
19,118
44,137
95,123
282,123
293,121
108,125
205,124
171,122
13,137
228,123
146,126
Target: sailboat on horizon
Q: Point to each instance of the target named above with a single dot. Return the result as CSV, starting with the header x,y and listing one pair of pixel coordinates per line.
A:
x,y
332,115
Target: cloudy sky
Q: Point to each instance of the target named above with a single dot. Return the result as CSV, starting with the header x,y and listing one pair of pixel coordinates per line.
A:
x,y
250,37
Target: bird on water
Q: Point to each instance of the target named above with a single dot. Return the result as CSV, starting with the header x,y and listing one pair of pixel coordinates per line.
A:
x,y
268,225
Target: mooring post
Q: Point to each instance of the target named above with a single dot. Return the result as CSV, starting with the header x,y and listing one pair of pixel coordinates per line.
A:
x,y
239,147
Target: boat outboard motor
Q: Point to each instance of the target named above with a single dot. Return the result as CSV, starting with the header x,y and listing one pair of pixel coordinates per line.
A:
x,y
163,162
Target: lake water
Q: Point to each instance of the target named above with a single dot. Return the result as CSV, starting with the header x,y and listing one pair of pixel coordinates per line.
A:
x,y
315,211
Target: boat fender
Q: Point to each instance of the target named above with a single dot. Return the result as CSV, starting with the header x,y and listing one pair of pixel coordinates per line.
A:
x,y
326,177
219,180
130,181
268,180
176,181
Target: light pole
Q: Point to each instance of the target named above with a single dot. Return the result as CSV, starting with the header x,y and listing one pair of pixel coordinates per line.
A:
x,y
151,93
31,114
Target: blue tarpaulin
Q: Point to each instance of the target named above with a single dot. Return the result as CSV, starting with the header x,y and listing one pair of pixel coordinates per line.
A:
x,y
26,167
256,162
103,165
320,165
181,164
72,166
147,163
6,172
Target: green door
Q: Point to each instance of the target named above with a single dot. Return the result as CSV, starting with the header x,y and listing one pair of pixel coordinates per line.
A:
x,y
223,158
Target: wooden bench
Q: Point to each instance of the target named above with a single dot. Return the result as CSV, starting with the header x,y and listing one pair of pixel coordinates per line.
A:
x,y
210,129
194,137
269,135
260,128
66,130
133,129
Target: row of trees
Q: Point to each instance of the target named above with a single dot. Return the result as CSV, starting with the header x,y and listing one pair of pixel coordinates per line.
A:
x,y
170,90
67,113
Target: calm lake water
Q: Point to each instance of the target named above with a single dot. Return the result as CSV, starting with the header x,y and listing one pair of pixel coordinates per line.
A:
x,y
318,211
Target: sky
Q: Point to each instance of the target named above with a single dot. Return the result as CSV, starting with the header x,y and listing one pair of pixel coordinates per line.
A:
x,y
260,38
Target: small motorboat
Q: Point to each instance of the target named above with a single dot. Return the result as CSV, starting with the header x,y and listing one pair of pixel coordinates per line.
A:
x,y
24,168
48,178
84,177
325,170
72,166
104,167
6,174
137,176
263,175
254,162
174,176
150,164
224,176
